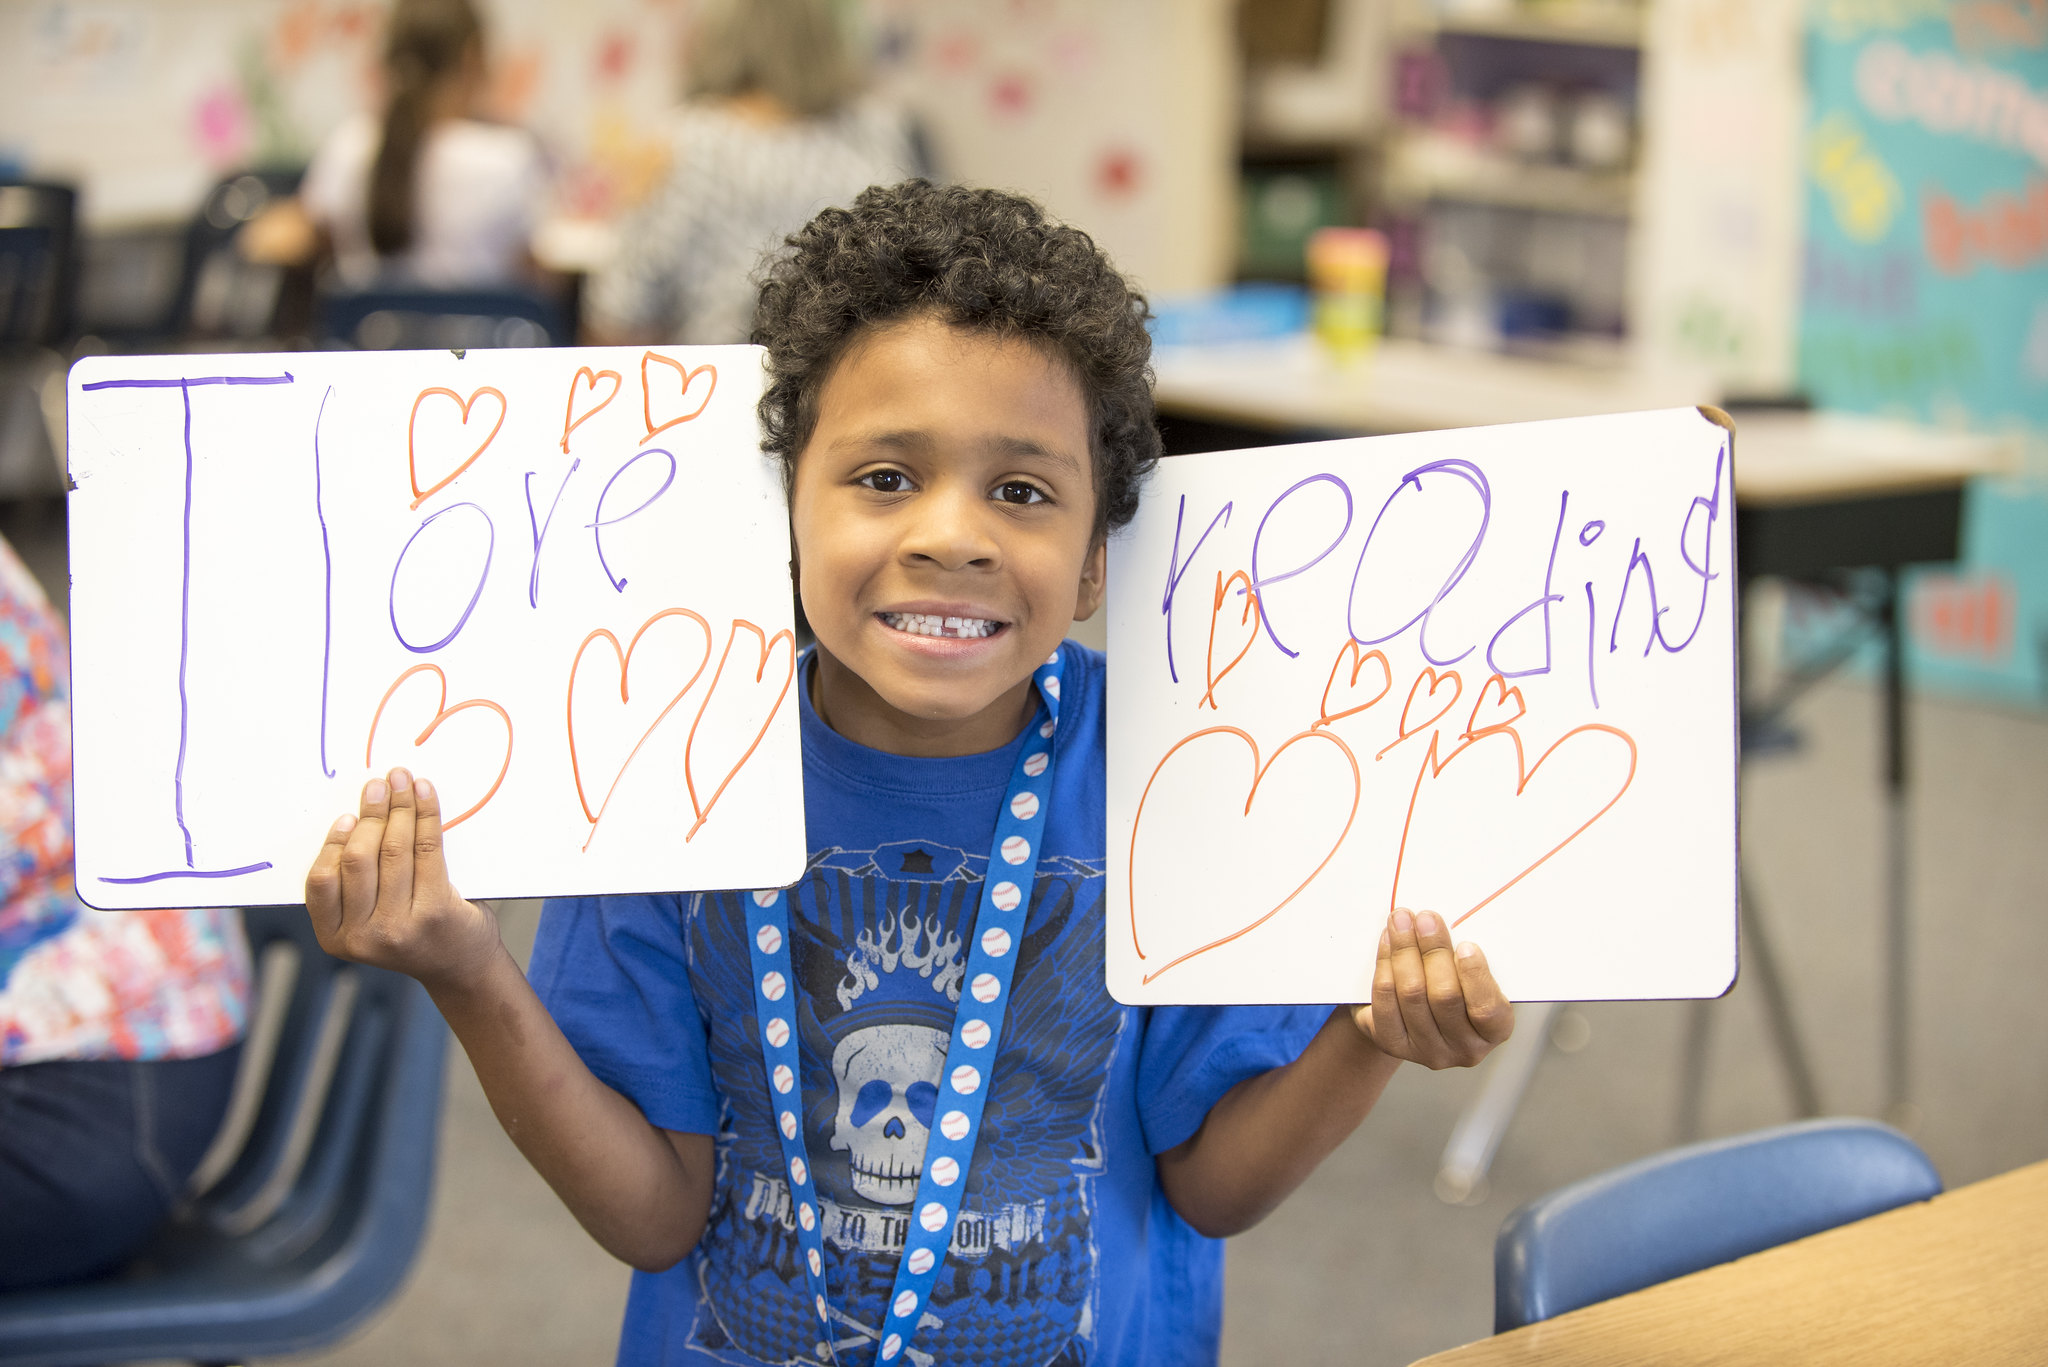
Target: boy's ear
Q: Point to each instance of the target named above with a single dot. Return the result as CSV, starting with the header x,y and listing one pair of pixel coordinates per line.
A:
x,y
1094,581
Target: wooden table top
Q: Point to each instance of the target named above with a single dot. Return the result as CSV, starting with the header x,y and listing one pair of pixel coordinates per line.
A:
x,y
1405,386
1959,1279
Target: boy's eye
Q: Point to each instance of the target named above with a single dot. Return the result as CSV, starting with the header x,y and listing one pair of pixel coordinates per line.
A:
x,y
885,481
1018,491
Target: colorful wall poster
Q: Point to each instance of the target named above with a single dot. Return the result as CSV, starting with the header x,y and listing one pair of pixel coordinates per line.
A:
x,y
1925,290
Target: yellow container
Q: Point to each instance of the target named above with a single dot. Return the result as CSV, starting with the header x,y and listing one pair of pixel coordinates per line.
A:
x,y
1347,272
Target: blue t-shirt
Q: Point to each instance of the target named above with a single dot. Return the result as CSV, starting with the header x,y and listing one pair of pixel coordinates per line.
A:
x,y
1066,1250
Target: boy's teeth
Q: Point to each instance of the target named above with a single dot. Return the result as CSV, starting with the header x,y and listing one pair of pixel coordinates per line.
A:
x,y
932,624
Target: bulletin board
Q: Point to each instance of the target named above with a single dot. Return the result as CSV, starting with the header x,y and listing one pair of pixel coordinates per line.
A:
x,y
555,582
1488,673
1926,290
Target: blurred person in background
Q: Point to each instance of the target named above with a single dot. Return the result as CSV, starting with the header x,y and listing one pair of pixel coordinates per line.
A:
x,y
774,128
427,194
119,1031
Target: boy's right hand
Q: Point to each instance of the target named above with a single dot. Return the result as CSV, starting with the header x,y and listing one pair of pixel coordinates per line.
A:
x,y
378,891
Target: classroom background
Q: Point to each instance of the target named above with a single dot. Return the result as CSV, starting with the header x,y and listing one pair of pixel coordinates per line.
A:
x,y
1796,210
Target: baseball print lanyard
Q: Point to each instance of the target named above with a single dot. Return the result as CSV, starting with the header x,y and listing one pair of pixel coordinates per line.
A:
x,y
977,1031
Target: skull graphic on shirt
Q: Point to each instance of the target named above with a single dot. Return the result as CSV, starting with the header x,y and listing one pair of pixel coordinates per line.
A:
x,y
888,1080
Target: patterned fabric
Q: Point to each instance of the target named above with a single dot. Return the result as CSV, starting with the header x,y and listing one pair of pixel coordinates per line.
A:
x,y
734,189
76,983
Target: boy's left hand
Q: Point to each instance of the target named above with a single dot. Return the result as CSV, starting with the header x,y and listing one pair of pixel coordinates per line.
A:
x,y
1431,1004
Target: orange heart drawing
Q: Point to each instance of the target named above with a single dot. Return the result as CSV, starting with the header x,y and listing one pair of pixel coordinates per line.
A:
x,y
412,462
1494,683
625,663
571,420
1470,841
766,644
1358,663
442,712
686,377
1249,617
1435,681
1259,773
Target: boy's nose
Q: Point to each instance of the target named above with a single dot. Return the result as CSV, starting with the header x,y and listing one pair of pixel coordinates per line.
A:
x,y
950,530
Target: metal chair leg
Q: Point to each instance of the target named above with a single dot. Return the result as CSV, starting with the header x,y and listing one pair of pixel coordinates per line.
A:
x,y
1461,1173
1692,1072
1805,1092
1692,1076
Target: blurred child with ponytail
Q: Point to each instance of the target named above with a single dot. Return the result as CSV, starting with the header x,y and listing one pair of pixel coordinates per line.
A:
x,y
425,192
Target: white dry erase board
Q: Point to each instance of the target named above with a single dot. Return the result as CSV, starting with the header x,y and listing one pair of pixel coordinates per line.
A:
x,y
554,582
1488,673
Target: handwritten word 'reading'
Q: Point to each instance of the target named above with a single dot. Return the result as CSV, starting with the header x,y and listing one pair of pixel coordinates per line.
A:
x,y
1453,501
1486,673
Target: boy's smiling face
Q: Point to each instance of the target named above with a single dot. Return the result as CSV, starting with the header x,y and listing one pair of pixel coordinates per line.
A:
x,y
944,515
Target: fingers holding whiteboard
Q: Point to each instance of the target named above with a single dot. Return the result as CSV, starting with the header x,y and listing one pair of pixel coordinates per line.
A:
x,y
394,853
323,883
1492,1015
429,859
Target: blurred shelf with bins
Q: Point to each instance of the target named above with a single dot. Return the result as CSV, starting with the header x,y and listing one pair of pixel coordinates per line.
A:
x,y
1286,193
1587,26
1508,170
1313,113
1424,165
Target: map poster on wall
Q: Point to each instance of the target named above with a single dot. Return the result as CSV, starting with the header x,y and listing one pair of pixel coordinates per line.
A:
x,y
1926,288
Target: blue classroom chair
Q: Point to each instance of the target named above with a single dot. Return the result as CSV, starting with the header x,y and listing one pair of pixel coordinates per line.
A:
x,y
38,263
38,282
1694,1207
308,1210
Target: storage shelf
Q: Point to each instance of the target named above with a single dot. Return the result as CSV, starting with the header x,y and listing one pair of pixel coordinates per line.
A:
x,y
1424,166
1616,26
1605,31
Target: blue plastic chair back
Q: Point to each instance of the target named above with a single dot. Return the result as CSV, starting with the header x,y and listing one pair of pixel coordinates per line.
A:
x,y
317,1198
38,242
399,319
1690,1208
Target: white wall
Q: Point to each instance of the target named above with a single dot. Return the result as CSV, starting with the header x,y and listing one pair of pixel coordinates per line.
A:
x,y
1120,114
1716,255
146,101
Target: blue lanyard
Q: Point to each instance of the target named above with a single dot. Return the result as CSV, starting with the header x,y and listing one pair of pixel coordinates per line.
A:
x,y
977,1032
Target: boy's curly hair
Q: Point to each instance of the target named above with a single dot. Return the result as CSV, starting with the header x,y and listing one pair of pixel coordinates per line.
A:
x,y
979,259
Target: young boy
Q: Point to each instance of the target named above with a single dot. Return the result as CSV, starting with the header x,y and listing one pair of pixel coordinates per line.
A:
x,y
758,1099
